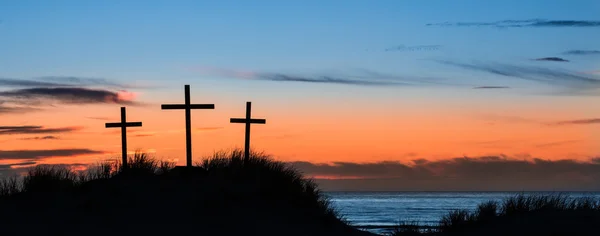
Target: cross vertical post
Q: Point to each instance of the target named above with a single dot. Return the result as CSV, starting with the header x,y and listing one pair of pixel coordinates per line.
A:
x,y
124,137
248,121
188,127
123,125
247,133
187,106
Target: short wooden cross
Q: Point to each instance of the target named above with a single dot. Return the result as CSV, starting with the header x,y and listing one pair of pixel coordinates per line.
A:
x,y
123,125
188,120
248,120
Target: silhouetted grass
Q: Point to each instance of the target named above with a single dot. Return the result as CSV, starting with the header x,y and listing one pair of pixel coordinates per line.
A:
x,y
102,170
553,214
58,178
223,195
142,163
409,228
9,186
274,180
46,178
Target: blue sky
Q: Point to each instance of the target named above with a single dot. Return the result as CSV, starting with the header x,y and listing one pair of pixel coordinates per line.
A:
x,y
153,40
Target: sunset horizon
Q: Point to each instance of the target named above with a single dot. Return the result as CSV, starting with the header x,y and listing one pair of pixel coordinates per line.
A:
x,y
365,92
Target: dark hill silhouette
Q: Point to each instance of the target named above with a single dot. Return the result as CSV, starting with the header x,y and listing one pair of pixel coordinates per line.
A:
x,y
222,196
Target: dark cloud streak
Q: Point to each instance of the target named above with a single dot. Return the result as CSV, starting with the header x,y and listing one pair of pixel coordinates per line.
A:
x,y
66,95
582,52
559,143
10,130
100,118
364,78
49,137
533,73
489,173
16,109
8,166
557,59
325,79
40,154
27,83
84,81
414,48
61,81
579,122
523,23
492,87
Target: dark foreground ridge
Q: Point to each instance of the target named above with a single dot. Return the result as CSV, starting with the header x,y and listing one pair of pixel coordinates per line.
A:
x,y
226,195
221,196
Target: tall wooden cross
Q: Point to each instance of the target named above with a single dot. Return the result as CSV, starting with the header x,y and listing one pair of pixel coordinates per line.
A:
x,y
248,120
123,125
188,120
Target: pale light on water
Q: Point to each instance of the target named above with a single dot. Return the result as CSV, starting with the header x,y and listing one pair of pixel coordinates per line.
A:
x,y
425,208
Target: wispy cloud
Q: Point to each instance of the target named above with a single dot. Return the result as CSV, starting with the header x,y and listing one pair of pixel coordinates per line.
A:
x,y
49,137
364,78
70,95
324,79
134,132
558,59
34,94
492,87
413,48
84,81
21,168
9,166
7,82
16,109
579,122
280,136
518,119
524,23
559,143
533,73
142,133
9,130
40,154
100,118
62,81
582,52
487,173
209,128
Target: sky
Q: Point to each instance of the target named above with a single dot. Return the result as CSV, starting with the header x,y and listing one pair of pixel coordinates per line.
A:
x,y
361,95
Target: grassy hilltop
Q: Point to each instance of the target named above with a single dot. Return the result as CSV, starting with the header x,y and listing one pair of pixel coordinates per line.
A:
x,y
223,195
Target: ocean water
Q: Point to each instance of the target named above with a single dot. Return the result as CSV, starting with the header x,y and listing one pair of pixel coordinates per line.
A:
x,y
425,208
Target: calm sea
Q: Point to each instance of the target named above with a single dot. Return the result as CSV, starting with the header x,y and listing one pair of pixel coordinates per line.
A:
x,y
426,208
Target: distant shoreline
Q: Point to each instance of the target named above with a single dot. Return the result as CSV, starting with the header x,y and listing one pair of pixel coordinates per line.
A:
x,y
399,191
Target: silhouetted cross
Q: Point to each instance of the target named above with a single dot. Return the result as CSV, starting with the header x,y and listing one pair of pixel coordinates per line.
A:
x,y
248,120
188,120
123,125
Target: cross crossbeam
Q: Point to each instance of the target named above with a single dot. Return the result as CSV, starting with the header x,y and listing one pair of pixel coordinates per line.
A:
x,y
248,121
183,106
123,125
251,121
187,106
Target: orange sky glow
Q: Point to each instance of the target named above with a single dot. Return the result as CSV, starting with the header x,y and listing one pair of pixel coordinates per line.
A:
x,y
330,131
